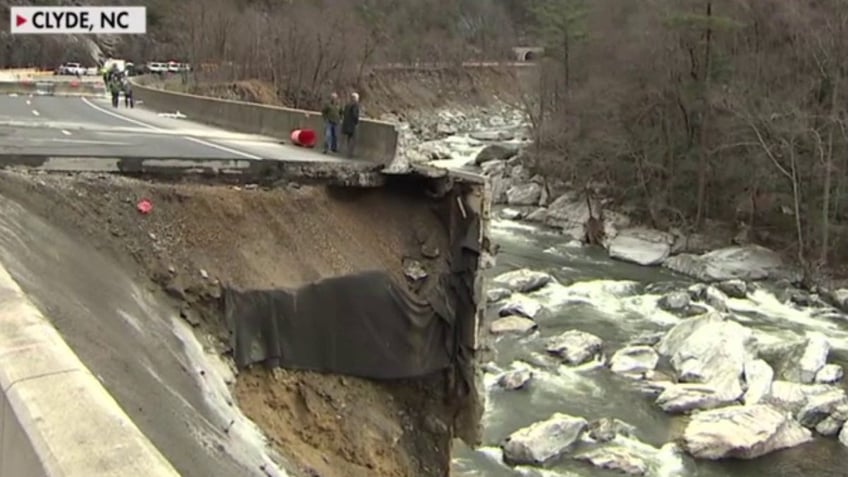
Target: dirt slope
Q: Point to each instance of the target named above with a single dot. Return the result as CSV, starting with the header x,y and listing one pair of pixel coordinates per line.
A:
x,y
199,235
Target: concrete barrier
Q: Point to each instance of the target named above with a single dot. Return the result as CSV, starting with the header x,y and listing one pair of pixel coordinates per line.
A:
x,y
56,419
377,140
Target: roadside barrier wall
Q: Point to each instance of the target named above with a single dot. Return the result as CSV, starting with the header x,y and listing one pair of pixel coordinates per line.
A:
x,y
56,419
376,140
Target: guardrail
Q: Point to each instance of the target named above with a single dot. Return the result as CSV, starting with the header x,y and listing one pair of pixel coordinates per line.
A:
x,y
376,140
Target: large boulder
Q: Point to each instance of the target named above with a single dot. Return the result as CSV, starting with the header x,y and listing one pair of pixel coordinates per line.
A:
x,y
758,378
634,361
495,152
522,280
749,262
615,457
686,397
742,432
709,350
513,325
520,305
803,361
641,246
543,441
524,194
574,346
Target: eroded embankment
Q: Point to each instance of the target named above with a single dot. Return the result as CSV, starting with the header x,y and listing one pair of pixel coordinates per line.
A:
x,y
199,237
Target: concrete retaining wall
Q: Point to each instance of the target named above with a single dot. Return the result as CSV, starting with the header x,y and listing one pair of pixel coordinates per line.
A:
x,y
56,419
377,141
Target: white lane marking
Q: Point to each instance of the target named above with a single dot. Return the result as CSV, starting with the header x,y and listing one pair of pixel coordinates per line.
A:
x,y
154,128
88,141
29,102
35,112
66,132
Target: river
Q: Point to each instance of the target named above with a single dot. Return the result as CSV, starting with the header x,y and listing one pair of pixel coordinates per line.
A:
x,y
617,301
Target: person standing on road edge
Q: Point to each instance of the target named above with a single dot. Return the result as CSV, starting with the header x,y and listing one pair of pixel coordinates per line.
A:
x,y
350,120
115,90
332,115
128,94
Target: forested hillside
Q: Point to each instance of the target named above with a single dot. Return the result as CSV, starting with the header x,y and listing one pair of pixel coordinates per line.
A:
x,y
692,109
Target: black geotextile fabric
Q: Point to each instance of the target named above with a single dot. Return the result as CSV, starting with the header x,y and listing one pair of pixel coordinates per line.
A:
x,y
362,324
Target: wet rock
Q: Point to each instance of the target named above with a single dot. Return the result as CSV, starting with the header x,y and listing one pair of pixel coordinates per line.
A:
x,y
748,262
734,288
493,168
524,194
697,292
758,378
820,406
511,214
838,298
791,397
674,301
518,305
693,310
513,325
543,441
414,270
615,458
743,432
843,436
716,299
646,339
519,173
606,428
492,136
829,374
495,152
514,380
574,346
500,185
523,280
685,397
537,215
494,295
641,246
803,362
634,360
831,425
709,350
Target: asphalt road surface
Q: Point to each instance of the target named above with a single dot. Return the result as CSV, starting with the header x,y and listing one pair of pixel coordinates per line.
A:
x,y
91,127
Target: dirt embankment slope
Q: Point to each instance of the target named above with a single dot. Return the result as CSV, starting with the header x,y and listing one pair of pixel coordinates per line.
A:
x,y
395,92
199,236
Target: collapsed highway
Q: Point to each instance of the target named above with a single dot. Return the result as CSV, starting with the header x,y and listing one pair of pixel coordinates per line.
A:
x,y
176,309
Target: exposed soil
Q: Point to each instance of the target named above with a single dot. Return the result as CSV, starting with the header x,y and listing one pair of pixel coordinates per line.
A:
x,y
390,91
198,236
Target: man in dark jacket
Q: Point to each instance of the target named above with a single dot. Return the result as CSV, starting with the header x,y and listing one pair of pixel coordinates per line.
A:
x,y
350,120
115,90
332,115
126,86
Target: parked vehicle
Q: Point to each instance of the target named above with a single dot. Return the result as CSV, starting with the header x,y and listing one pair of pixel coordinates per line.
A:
x,y
156,67
71,68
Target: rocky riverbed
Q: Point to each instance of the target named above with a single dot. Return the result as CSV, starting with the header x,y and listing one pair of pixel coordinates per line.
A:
x,y
659,354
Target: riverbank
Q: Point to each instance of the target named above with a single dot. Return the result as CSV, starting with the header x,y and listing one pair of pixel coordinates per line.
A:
x,y
727,335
